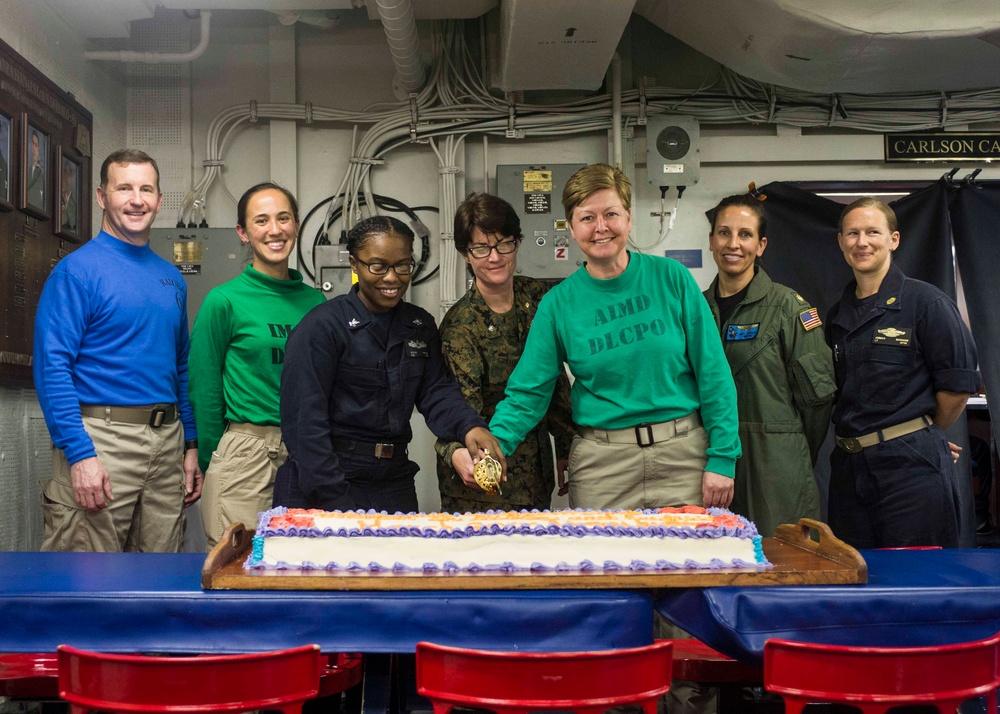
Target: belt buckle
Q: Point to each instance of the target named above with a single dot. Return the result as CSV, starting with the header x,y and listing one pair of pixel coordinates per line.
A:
x,y
157,417
384,451
649,433
850,444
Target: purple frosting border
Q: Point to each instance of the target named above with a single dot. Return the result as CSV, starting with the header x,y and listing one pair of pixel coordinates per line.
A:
x,y
451,567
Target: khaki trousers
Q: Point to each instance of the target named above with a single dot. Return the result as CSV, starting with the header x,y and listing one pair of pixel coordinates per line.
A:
x,y
609,476
606,475
146,466
240,479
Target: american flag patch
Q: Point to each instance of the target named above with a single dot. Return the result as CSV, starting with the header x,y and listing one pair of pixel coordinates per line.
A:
x,y
810,318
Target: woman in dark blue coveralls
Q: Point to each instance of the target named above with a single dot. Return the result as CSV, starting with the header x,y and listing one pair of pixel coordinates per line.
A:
x,y
905,365
354,368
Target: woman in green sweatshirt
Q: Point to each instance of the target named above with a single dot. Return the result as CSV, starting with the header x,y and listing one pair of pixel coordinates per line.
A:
x,y
237,349
653,395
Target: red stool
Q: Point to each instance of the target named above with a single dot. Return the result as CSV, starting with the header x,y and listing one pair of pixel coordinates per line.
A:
x,y
875,679
280,680
913,547
35,676
340,673
521,682
695,661
31,676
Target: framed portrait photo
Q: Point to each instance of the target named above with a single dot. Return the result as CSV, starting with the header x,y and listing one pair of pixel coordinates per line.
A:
x,y
6,164
36,184
69,185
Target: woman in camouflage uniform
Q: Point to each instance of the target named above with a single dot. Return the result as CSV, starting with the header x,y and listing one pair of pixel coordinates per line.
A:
x,y
482,338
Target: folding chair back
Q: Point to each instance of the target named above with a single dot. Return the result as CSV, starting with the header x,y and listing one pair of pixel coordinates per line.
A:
x,y
519,682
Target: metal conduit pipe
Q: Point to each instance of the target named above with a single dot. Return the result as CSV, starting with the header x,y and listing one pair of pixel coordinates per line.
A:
x,y
616,110
159,57
401,32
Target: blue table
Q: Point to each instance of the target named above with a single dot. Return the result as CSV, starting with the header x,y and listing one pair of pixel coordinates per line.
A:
x,y
911,598
148,602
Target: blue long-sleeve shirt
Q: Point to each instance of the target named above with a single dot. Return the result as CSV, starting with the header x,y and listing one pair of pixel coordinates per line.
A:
x,y
111,329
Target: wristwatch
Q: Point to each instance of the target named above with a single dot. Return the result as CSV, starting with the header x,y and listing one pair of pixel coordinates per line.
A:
x,y
190,444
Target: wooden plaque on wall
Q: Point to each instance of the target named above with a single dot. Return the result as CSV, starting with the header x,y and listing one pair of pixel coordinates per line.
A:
x,y
45,197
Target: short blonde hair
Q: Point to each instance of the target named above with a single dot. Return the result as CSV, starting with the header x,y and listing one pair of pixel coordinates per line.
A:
x,y
869,202
595,177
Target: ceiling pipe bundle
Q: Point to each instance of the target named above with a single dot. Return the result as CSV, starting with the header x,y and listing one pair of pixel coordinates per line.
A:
x,y
401,32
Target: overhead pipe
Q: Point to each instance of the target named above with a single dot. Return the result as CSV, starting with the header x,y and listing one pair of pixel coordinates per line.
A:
x,y
401,31
159,57
616,110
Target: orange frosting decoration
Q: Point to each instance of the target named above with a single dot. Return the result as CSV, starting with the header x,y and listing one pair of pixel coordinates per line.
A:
x,y
297,518
691,516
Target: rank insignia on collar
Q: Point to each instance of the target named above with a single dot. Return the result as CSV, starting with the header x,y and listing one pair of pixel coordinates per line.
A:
x,y
418,322
353,323
891,300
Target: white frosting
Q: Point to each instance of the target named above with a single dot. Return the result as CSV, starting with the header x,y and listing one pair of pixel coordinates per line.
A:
x,y
491,552
497,541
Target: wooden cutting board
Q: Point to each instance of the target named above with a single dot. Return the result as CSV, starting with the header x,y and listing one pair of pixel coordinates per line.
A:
x,y
797,560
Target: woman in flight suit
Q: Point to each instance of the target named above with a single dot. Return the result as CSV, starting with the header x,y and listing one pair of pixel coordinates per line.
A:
x,y
782,368
905,365
354,369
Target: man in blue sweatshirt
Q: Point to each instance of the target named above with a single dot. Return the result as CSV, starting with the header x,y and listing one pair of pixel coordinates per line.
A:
x,y
110,367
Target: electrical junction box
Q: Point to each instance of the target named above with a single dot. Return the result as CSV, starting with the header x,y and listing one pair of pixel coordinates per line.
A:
x,y
672,150
333,269
206,257
548,251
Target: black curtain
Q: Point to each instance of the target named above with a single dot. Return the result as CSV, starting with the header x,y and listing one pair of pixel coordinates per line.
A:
x,y
802,253
802,250
975,215
925,237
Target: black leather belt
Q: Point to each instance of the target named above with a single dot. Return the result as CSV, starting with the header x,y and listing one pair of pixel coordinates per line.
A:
x,y
380,450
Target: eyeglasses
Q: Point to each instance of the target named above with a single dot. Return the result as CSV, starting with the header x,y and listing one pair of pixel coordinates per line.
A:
x,y
404,268
481,250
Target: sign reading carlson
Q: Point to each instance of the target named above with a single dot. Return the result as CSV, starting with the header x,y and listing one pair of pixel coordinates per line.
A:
x,y
942,146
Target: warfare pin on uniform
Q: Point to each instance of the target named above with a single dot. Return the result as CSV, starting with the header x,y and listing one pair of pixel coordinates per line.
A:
x,y
892,336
